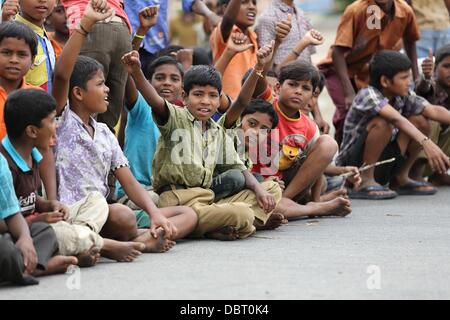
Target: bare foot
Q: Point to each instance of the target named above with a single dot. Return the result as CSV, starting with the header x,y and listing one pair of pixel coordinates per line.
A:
x,y
439,180
275,220
57,264
89,258
342,192
227,233
337,207
122,251
155,245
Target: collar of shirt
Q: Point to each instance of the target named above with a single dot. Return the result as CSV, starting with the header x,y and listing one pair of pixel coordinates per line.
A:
x,y
19,161
399,11
92,121
40,31
22,85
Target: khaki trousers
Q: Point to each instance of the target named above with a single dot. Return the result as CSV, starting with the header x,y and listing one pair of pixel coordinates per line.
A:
x,y
81,230
240,211
442,139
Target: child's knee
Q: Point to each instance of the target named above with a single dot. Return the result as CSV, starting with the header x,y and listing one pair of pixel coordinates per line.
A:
x,y
123,220
327,146
9,251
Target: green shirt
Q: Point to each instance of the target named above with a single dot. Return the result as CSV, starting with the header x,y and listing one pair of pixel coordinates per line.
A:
x,y
185,155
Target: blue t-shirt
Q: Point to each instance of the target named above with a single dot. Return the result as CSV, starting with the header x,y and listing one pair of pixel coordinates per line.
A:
x,y
158,36
9,205
141,138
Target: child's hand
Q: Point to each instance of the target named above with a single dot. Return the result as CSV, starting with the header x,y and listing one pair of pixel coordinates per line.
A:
x,y
10,9
131,62
58,206
438,160
148,17
50,217
428,65
283,28
159,221
324,127
97,10
265,200
238,42
313,37
26,247
264,55
184,56
355,180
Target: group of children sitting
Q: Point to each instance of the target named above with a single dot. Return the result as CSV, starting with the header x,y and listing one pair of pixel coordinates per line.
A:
x,y
182,174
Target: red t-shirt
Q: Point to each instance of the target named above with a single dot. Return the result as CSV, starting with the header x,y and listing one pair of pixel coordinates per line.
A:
x,y
291,139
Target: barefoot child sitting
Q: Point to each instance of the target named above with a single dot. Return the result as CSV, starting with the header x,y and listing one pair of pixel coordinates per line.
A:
x,y
254,117
30,120
82,82
24,251
186,176
387,120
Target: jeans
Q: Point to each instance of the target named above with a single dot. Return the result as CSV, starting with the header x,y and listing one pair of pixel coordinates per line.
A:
x,y
433,39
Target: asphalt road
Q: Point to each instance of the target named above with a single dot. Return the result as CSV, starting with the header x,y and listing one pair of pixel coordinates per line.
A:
x,y
394,249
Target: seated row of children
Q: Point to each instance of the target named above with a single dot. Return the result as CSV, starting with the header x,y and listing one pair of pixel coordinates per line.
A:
x,y
267,167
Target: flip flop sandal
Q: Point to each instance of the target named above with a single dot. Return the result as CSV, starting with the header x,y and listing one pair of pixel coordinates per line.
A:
x,y
368,193
414,189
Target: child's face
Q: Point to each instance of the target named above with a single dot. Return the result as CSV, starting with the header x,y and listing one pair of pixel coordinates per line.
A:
x,y
167,82
203,101
443,73
295,94
36,11
399,85
313,102
46,133
253,124
58,20
95,97
247,14
15,59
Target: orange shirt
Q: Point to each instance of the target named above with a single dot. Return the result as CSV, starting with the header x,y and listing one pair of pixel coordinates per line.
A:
x,y
238,66
56,46
358,31
3,97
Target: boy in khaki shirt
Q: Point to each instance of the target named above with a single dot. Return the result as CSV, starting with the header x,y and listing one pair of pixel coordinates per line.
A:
x,y
193,149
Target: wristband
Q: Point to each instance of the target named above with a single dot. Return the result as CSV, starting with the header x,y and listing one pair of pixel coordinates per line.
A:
x,y
138,36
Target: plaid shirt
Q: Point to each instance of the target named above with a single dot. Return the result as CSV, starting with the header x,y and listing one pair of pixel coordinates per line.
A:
x,y
276,12
366,106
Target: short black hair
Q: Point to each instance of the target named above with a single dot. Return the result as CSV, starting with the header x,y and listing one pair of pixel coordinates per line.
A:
x,y
84,70
161,61
14,29
299,71
25,107
200,56
259,105
202,75
387,63
442,53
